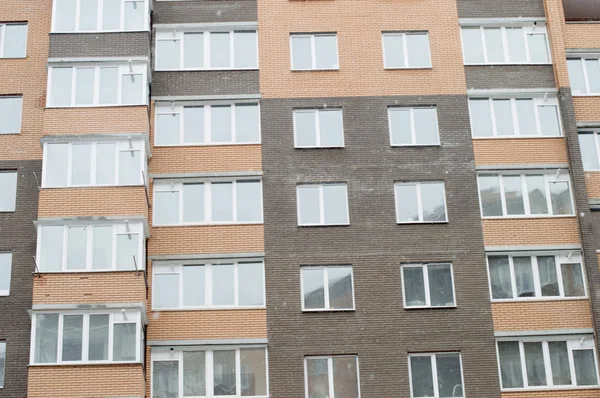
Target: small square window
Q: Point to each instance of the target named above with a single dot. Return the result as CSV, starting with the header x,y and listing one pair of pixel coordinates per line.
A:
x,y
420,202
413,126
446,366
11,109
406,50
322,204
14,40
314,51
428,285
327,288
318,128
8,191
332,376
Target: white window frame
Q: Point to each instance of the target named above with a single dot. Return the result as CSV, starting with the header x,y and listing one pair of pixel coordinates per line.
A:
x,y
20,115
582,59
16,173
413,129
433,357
420,202
405,49
179,110
329,359
115,317
100,15
124,70
317,112
559,259
179,36
2,291
165,355
425,269
325,269
572,342
119,228
3,39
171,186
177,269
595,132
322,204
538,29
313,55
3,346
538,102
549,177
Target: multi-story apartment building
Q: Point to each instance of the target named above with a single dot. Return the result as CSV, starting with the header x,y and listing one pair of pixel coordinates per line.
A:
x,y
319,199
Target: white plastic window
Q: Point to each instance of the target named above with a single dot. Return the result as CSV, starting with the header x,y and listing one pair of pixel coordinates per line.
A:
x,y
314,51
322,204
420,202
13,40
406,50
100,15
318,128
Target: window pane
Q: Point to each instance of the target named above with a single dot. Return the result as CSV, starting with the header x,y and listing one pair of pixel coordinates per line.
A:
x,y
313,288
168,54
81,167
88,15
345,377
253,371
224,373
536,188
2,361
109,81
331,128
134,15
65,15
127,248
219,50
516,45
426,126
251,281
576,76
504,117
5,267
441,290
534,362
524,277
433,202
15,41
406,203
194,374
510,364
98,344
538,48
548,276
60,90
318,377
400,126
421,376
72,338
394,51
335,204
500,277
340,287
249,201
559,361
549,120
585,368
102,247
165,379
593,74
589,154
193,50
124,342
222,201
111,15
193,203
305,128
560,195
481,118
132,90
220,123
166,131
46,338
326,52
449,375
414,286
493,42
223,284
526,116
572,276
193,125
245,51
247,123
308,203
11,109
417,47
166,208
105,164
8,191
301,53
513,193
52,248
76,248
130,167
194,285
166,291
472,45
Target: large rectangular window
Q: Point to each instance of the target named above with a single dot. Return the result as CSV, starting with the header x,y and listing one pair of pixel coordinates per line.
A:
x,y
589,144
221,124
420,202
406,50
225,371
318,128
428,285
5,273
413,126
208,285
100,15
332,376
531,194
544,276
11,110
8,191
86,337
322,204
91,247
93,85
505,45
236,49
13,40
314,51
436,375
327,288
507,117
533,363
584,74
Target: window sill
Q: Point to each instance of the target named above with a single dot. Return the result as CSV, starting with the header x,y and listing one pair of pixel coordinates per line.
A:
x,y
318,311
206,70
518,137
207,224
513,64
538,299
10,133
25,57
323,225
87,271
316,70
7,211
531,217
95,32
95,186
94,106
416,145
319,147
212,144
424,307
228,308
421,222
408,68
553,388
585,95
33,365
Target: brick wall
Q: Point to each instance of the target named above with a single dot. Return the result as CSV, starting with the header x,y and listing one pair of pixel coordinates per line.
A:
x,y
530,231
100,120
582,35
211,11
541,315
500,9
520,151
206,159
587,109
579,393
120,44
509,76
592,181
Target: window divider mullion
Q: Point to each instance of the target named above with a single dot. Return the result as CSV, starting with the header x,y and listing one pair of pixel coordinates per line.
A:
x,y
180,39
100,15
321,205
208,285
536,115
111,336
179,189
330,377
236,284
85,338
419,204
326,288
77,15
436,387
503,196
59,337
2,39
515,117
122,19
559,277
547,365
207,109
505,45
317,127
548,198
89,250
513,277
93,163
313,53
484,45
526,41
206,49
523,364
65,248
405,51
526,204
535,270
231,50
493,117
179,270
585,76
113,254
425,271
413,126
238,368
233,124
180,111
234,201
572,362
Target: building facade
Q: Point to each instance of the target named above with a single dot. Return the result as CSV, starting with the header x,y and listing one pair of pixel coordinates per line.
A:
x,y
293,198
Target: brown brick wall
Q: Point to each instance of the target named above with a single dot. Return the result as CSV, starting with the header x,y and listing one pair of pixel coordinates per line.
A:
x,y
86,381
520,151
582,35
593,393
200,159
541,315
587,109
555,23
124,119
592,181
532,231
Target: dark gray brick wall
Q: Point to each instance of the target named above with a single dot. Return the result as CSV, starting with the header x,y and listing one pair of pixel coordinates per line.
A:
x,y
500,8
509,76
582,10
18,235
120,44
596,227
205,83
380,331
210,11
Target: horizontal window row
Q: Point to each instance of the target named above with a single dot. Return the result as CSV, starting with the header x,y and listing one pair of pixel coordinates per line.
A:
x,y
11,113
206,50
8,190
13,40
5,273
100,15
90,337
